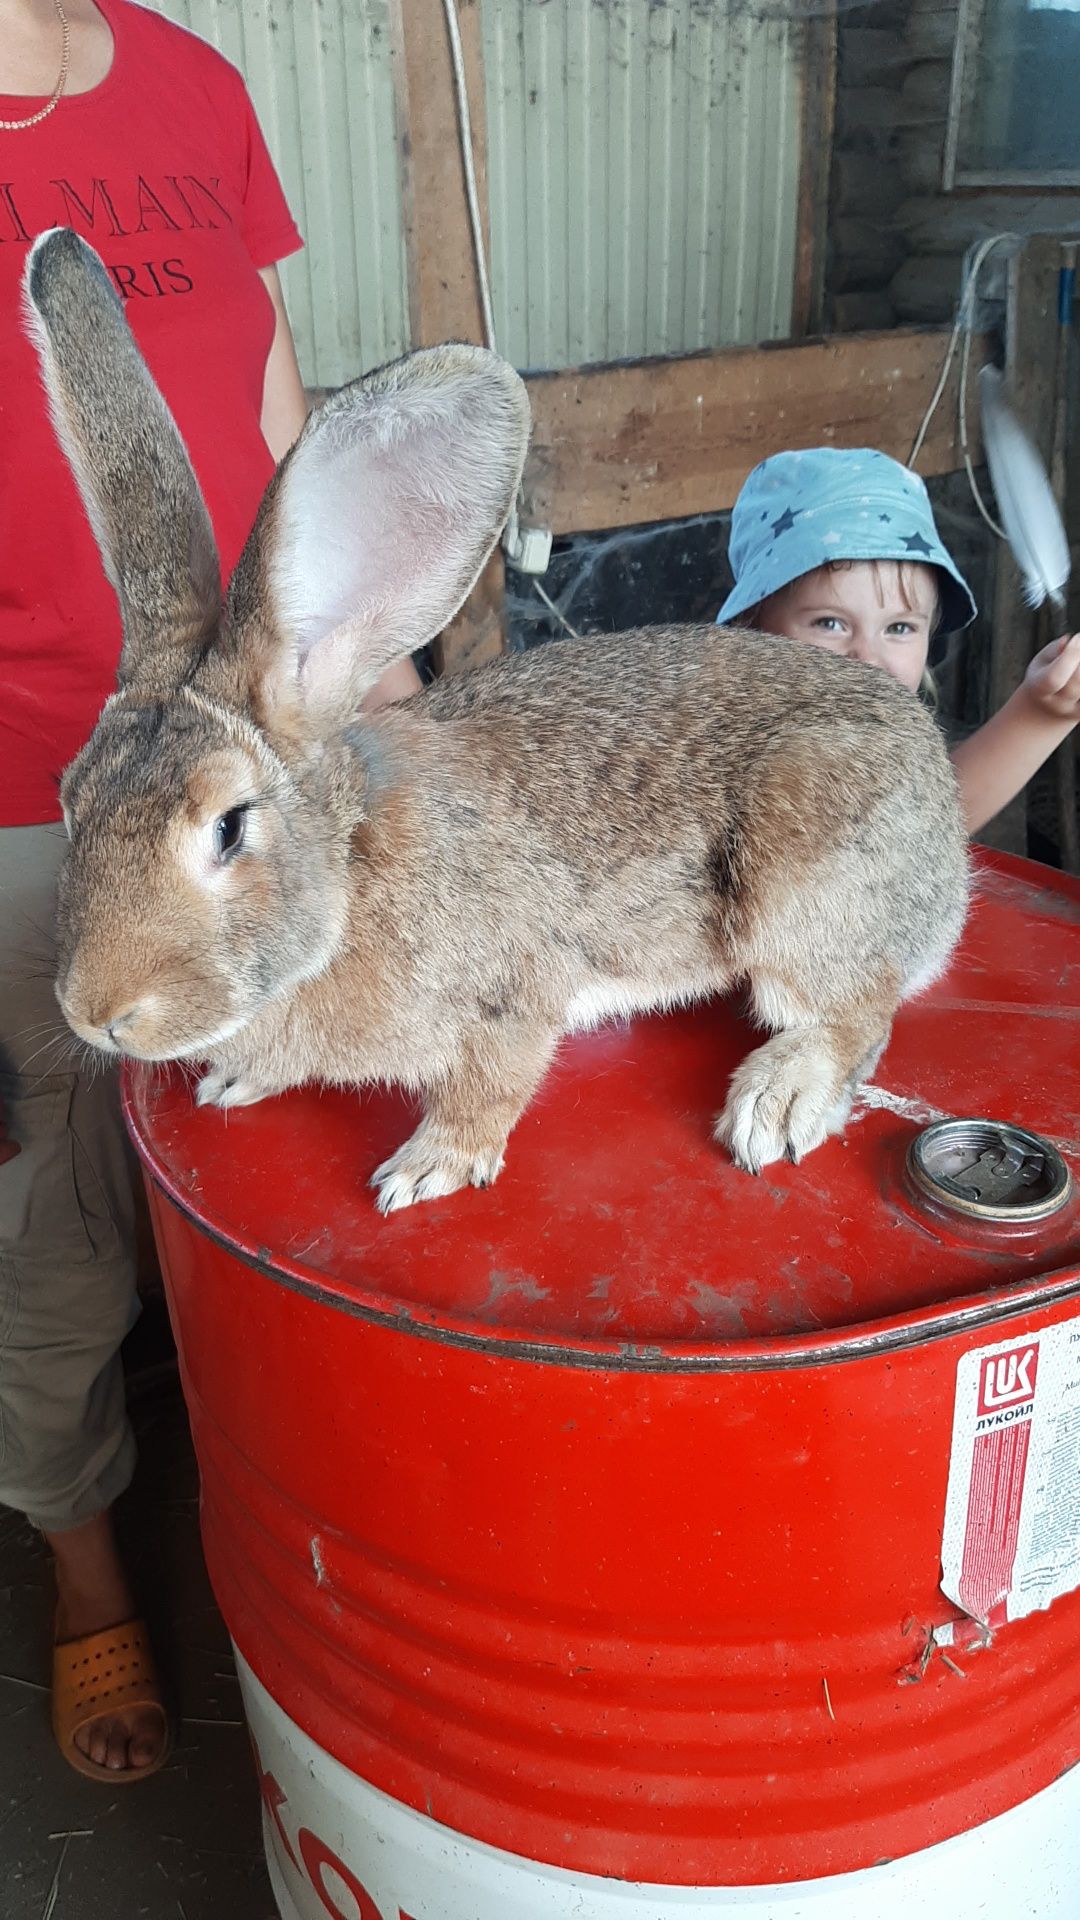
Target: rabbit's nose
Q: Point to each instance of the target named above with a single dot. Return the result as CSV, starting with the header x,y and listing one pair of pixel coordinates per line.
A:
x,y
120,1023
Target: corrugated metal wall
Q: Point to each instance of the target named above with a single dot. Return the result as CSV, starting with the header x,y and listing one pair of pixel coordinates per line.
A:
x,y
643,176
643,172
319,74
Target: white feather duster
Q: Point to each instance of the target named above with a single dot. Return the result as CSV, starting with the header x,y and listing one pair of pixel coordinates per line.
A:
x,y
1029,512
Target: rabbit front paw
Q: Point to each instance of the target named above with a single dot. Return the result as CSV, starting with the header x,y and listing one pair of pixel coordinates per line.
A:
x,y
220,1089
431,1165
784,1100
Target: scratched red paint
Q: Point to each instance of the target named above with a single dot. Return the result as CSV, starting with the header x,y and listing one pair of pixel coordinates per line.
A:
x,y
618,1218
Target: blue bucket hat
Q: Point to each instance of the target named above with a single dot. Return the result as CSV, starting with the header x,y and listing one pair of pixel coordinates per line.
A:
x,y
798,511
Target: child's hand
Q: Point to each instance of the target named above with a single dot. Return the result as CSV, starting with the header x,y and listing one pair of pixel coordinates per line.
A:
x,y
1053,678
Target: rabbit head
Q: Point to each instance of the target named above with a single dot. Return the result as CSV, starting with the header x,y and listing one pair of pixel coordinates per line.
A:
x,y
229,729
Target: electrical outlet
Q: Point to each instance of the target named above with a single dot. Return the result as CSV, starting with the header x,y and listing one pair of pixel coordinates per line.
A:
x,y
528,548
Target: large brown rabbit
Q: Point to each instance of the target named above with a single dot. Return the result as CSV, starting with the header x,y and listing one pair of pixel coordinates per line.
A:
x,y
262,879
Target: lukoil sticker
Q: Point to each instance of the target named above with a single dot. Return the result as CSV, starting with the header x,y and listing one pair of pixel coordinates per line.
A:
x,y
1012,1514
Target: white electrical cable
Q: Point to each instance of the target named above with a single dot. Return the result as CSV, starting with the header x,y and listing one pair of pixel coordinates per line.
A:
x,y
964,323
472,194
964,315
557,611
938,391
962,415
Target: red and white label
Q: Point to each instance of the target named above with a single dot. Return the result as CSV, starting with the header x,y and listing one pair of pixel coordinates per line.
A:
x,y
1012,1514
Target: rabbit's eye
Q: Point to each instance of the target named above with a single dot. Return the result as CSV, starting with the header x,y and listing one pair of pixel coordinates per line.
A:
x,y
229,832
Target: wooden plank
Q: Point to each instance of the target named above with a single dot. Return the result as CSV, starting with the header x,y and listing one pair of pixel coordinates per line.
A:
x,y
818,90
444,292
444,289
478,632
1031,354
666,439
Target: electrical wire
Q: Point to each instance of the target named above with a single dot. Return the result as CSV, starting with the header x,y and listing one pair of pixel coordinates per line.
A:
x,y
973,266
557,611
965,449
472,194
975,260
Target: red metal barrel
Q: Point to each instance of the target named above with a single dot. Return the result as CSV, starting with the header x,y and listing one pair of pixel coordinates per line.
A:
x,y
637,1523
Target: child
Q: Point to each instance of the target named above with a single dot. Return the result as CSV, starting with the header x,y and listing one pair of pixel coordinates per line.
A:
x,y
840,549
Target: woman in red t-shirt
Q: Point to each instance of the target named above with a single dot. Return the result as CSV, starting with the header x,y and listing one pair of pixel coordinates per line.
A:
x,y
139,136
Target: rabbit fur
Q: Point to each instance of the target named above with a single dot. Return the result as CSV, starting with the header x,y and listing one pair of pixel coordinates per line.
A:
x,y
265,879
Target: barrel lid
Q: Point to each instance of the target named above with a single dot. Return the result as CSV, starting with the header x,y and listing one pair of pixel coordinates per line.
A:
x,y
618,1227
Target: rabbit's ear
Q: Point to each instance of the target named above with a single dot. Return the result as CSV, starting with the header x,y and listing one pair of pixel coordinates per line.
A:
x,y
377,525
129,461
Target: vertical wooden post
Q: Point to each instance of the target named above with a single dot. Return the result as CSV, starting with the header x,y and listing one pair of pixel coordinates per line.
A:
x,y
818,83
444,288
1031,353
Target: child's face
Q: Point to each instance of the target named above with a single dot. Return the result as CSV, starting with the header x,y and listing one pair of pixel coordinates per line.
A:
x,y
880,611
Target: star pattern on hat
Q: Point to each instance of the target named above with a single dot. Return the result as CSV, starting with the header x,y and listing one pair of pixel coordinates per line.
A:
x,y
785,522
915,543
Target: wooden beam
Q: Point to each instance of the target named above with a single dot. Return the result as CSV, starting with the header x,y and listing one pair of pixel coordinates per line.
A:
x,y
818,107
444,292
666,439
444,289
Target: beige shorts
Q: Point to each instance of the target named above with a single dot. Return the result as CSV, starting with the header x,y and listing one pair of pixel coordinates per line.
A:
x,y
67,1266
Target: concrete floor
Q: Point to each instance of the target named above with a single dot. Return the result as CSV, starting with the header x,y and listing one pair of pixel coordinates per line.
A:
x,y
187,1844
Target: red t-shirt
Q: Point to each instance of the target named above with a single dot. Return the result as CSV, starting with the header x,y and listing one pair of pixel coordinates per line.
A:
x,y
163,169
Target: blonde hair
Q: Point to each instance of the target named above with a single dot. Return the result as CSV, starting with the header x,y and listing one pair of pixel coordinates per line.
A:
x,y
905,574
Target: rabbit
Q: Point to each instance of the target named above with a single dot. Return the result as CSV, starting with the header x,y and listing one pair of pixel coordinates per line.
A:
x,y
266,881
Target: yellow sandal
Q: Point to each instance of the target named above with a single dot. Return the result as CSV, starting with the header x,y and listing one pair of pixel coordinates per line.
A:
x,y
102,1674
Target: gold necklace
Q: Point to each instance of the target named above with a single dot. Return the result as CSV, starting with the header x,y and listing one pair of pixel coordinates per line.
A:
x,y
16,126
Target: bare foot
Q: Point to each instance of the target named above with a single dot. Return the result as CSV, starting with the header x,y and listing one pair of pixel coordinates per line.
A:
x,y
92,1594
